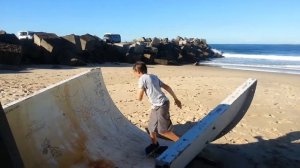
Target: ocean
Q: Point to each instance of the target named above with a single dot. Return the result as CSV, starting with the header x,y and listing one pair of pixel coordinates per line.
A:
x,y
258,57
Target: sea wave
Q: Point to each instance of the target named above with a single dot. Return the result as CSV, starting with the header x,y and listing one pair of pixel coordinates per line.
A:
x,y
286,67
263,57
290,69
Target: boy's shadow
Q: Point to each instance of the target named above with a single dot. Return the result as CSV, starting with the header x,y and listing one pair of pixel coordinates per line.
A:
x,y
180,129
283,151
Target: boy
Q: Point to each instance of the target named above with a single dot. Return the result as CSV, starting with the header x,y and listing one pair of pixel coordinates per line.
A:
x,y
160,117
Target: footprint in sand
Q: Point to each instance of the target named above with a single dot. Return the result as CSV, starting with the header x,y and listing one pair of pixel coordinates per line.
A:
x,y
266,91
233,141
243,125
252,115
277,122
270,115
280,112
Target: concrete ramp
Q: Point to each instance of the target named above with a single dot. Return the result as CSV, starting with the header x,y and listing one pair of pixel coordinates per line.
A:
x,y
216,124
76,124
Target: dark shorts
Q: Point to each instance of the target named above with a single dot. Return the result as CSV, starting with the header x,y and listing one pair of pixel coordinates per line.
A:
x,y
160,119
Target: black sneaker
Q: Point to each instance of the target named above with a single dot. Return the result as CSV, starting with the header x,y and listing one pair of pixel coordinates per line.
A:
x,y
151,148
161,149
157,152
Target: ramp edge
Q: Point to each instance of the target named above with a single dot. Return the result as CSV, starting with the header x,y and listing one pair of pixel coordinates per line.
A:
x,y
170,155
8,105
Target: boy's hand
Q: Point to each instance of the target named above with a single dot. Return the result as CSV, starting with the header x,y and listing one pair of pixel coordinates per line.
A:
x,y
177,103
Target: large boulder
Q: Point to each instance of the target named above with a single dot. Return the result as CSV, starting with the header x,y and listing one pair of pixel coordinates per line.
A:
x,y
40,36
72,42
155,42
31,52
151,50
112,54
51,46
142,39
168,51
182,42
10,49
71,53
138,48
122,47
165,40
203,41
148,58
88,42
10,54
9,38
164,61
92,48
135,52
69,57
148,40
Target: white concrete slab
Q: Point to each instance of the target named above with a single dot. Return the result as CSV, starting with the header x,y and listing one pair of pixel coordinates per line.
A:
x,y
74,123
216,124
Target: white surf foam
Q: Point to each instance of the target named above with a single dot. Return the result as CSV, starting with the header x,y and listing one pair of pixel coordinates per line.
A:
x,y
290,69
266,57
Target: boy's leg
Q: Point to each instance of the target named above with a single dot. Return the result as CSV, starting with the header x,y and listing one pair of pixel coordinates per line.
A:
x,y
170,135
152,126
149,150
153,137
164,122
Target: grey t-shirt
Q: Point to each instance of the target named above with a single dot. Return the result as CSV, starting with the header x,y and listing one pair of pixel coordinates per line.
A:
x,y
152,86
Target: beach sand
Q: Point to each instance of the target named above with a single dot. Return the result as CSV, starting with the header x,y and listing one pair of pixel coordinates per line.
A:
x,y
267,136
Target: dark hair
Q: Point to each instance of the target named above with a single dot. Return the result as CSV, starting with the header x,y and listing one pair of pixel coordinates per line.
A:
x,y
140,66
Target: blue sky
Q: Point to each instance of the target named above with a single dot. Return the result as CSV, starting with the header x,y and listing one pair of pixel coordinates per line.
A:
x,y
218,21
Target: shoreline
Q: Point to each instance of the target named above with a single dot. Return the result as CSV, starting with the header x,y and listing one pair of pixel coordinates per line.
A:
x,y
255,69
268,133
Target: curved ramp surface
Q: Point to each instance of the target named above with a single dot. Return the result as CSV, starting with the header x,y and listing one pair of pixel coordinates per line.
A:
x,y
75,124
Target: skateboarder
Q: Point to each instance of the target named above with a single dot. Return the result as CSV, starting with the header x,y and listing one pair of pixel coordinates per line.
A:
x,y
159,121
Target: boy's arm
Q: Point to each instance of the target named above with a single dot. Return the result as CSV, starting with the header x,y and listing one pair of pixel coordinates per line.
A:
x,y
169,90
140,94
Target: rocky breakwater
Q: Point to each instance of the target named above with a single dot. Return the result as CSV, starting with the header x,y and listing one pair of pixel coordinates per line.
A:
x,y
170,52
71,49
48,48
75,50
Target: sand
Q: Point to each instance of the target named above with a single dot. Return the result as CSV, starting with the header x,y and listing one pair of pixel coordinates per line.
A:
x,y
268,135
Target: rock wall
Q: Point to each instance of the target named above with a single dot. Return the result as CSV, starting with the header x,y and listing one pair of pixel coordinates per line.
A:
x,y
48,48
171,52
